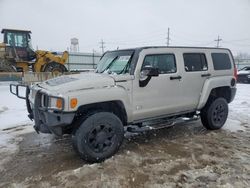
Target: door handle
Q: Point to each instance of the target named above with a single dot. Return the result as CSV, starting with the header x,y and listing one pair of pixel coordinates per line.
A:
x,y
206,75
175,77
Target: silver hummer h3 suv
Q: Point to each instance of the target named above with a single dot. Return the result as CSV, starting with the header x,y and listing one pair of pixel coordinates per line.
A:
x,y
133,87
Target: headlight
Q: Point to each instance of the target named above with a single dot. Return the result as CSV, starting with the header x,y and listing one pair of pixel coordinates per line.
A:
x,y
52,102
248,76
55,103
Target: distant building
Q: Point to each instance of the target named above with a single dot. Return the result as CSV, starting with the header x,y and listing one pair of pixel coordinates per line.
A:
x,y
81,61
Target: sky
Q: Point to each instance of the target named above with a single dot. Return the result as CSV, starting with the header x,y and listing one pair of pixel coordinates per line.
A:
x,y
130,23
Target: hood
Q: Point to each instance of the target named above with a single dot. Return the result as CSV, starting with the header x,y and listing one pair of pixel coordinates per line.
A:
x,y
74,82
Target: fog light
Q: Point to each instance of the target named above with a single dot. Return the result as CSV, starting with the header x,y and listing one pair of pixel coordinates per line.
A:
x,y
73,102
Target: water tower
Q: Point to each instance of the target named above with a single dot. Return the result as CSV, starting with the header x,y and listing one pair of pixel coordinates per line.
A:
x,y
74,45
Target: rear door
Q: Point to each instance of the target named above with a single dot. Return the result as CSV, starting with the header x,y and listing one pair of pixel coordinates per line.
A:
x,y
195,72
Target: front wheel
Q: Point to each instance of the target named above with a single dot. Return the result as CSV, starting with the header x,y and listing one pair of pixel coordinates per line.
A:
x,y
214,114
99,136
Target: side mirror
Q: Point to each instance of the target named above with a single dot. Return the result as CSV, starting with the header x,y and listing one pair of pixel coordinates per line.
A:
x,y
149,71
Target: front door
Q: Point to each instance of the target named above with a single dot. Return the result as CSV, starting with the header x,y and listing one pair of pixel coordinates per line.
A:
x,y
161,94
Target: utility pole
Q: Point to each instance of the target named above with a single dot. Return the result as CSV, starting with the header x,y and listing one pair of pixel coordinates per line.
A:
x,y
218,41
102,46
168,38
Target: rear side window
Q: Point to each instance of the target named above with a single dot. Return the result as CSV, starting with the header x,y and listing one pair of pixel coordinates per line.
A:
x,y
221,61
164,62
195,62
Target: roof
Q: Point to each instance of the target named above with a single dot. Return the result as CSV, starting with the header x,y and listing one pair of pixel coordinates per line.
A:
x,y
15,30
187,47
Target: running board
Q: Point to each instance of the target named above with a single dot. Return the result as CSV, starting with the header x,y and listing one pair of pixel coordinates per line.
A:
x,y
158,124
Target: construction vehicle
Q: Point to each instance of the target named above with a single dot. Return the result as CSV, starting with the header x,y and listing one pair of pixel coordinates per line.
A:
x,y
17,55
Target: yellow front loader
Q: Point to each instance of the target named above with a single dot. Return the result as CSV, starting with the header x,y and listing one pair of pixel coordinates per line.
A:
x,y
17,55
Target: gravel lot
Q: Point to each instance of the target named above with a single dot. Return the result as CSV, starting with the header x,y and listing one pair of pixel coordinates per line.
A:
x,y
185,155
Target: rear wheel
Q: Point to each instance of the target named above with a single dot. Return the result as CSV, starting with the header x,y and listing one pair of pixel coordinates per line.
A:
x,y
214,114
99,136
55,68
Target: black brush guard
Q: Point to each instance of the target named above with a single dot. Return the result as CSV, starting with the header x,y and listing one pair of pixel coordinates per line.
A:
x,y
14,89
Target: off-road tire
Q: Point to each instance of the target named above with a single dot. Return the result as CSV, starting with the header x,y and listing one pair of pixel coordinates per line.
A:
x,y
99,136
215,113
55,67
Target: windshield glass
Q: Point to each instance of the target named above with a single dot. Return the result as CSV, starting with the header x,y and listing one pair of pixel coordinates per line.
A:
x,y
17,39
115,62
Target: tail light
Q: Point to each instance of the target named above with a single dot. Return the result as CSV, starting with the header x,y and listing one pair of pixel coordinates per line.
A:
x,y
235,73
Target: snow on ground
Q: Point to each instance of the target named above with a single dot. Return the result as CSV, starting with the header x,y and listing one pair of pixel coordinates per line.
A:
x,y
8,146
13,111
239,109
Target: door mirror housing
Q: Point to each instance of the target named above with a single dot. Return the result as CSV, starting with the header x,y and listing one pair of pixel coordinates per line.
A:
x,y
149,71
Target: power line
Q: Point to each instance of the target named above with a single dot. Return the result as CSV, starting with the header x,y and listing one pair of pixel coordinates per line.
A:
x,y
218,41
102,45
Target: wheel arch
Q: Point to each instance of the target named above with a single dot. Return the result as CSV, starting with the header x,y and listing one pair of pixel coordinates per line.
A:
x,y
116,106
216,87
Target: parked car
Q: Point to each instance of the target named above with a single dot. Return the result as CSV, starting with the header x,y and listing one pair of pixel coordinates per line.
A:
x,y
244,75
131,87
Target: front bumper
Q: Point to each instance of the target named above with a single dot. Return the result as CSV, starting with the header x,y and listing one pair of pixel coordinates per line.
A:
x,y
51,122
47,120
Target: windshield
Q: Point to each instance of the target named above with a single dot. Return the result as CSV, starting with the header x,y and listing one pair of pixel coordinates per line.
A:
x,y
115,62
17,39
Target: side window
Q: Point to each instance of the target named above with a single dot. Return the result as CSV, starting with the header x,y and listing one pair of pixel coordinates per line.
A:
x,y
195,62
221,61
164,62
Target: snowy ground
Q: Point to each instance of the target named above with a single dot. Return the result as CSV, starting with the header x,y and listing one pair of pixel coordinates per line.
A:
x,y
185,155
12,109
